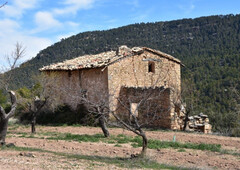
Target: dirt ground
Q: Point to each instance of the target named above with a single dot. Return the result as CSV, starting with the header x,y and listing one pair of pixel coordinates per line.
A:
x,y
11,159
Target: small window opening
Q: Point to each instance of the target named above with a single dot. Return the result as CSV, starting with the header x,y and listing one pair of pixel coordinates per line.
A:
x,y
165,83
151,67
134,109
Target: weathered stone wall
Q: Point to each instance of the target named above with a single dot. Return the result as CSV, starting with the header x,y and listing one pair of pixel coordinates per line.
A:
x,y
152,105
134,72
95,81
67,86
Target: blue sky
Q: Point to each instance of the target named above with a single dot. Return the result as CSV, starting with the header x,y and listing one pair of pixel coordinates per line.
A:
x,y
40,23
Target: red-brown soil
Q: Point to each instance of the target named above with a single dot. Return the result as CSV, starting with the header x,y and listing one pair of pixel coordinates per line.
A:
x,y
10,159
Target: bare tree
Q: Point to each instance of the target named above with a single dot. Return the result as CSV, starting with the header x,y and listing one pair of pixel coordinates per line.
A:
x,y
136,128
136,108
3,4
13,62
17,54
143,107
6,116
53,89
33,100
100,111
35,108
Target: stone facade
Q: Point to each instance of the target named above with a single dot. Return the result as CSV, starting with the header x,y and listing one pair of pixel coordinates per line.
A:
x,y
68,86
125,77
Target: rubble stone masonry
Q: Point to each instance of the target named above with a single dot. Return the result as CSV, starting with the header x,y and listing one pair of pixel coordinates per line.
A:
x,y
141,70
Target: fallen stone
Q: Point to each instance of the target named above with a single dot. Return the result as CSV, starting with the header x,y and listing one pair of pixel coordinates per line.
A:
x,y
196,117
27,154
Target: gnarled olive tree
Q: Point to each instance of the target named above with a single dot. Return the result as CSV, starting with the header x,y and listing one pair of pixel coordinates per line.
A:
x,y
6,116
5,80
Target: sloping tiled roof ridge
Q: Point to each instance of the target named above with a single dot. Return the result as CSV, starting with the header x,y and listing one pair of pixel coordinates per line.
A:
x,y
102,59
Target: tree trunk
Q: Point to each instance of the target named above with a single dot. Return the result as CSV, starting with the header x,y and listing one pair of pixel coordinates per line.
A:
x,y
33,122
144,144
5,117
186,120
38,105
102,123
3,130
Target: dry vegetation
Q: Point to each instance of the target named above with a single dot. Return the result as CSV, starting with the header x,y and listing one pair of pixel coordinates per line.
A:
x,y
69,147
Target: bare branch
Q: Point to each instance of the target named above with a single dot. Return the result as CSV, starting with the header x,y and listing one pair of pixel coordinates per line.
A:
x,y
5,115
3,4
5,80
14,104
17,54
2,113
125,124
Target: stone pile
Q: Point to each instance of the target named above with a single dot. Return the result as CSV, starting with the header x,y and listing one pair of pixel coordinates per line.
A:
x,y
199,123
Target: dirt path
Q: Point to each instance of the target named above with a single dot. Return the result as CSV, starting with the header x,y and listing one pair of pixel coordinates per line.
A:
x,y
187,158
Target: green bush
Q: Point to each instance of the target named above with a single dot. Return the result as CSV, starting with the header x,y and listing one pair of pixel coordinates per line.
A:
x,y
24,92
62,115
3,98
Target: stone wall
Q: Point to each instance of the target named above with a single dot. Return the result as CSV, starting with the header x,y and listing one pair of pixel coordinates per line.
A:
x,y
152,106
133,72
67,87
95,82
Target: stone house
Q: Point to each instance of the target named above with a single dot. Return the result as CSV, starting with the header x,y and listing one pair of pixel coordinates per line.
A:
x,y
122,79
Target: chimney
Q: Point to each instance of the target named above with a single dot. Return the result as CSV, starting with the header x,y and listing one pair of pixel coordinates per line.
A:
x,y
123,50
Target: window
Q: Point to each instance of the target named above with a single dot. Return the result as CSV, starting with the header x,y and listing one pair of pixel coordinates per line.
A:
x,y
134,108
165,83
151,67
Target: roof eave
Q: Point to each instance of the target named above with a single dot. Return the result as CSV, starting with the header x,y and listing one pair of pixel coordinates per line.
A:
x,y
165,55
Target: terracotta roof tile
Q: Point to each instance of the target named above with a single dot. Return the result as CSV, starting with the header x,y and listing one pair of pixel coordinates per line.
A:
x,y
102,59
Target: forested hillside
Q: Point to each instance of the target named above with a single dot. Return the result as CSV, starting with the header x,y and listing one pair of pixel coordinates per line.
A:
x,y
209,47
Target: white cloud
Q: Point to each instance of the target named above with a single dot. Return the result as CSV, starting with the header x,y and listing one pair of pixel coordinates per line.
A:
x,y
26,4
133,3
10,35
72,24
8,26
72,6
33,45
187,7
45,21
18,7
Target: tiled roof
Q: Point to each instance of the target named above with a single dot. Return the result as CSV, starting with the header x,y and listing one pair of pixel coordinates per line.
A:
x,y
165,55
86,61
103,59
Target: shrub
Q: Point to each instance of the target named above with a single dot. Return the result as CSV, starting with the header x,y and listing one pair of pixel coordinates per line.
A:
x,y
62,115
